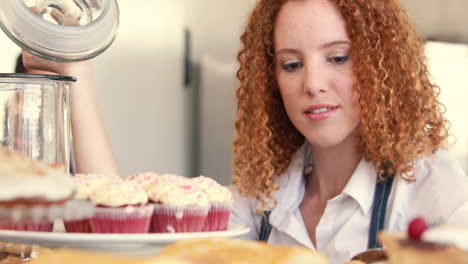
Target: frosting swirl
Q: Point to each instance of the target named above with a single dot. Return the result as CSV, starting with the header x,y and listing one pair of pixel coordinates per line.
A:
x,y
86,183
214,191
118,193
178,194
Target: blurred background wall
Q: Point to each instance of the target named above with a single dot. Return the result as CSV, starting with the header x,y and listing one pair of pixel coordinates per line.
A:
x,y
159,120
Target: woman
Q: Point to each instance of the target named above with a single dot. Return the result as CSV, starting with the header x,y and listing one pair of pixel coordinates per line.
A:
x,y
339,129
91,148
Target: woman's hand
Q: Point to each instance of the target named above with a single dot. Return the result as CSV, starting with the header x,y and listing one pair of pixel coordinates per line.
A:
x,y
34,63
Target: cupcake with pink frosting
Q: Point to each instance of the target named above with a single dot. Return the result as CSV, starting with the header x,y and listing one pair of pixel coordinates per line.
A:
x,y
86,184
121,207
220,199
179,205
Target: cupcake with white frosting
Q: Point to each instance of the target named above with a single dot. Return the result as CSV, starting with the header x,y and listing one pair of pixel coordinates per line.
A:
x,y
33,194
220,199
179,205
121,207
85,185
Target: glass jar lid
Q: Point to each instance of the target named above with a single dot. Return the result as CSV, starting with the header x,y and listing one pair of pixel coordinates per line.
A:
x,y
61,30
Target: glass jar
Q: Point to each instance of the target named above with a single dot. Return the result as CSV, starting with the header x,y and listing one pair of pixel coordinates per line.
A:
x,y
61,30
35,116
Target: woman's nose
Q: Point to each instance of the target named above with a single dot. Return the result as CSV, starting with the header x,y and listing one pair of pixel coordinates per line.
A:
x,y
315,79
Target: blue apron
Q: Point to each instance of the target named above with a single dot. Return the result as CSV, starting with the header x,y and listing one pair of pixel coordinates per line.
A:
x,y
379,209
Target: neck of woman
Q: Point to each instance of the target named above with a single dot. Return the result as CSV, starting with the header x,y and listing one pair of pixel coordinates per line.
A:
x,y
333,168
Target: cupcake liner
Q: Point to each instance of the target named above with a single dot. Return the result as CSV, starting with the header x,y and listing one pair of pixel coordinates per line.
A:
x,y
129,219
77,226
169,219
41,217
78,222
218,217
25,226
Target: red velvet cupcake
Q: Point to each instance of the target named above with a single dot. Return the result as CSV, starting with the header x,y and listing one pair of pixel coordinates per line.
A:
x,y
180,206
220,199
85,185
121,207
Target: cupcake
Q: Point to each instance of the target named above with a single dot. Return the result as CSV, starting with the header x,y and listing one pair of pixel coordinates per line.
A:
x,y
179,205
220,199
33,194
121,207
85,185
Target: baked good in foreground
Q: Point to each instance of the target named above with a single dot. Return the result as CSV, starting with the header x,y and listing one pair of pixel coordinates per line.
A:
x,y
74,256
443,244
194,251
237,251
33,193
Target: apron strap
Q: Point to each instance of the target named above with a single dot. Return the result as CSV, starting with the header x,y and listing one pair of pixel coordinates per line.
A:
x,y
265,227
379,209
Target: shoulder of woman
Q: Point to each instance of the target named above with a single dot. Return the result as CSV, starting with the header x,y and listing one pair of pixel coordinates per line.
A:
x,y
241,200
440,186
439,167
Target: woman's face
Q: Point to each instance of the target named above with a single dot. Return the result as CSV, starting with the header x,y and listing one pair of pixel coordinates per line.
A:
x,y
314,71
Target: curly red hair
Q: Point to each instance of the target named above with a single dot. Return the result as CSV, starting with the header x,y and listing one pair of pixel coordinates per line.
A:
x,y
401,117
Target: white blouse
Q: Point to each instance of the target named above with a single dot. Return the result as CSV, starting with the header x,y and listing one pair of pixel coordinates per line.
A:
x,y
439,194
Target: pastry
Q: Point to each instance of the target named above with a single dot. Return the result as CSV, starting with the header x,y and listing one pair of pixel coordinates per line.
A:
x,y
236,251
85,185
33,192
441,244
180,206
220,199
73,256
121,207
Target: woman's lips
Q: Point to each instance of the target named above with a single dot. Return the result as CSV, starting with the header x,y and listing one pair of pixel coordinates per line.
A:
x,y
320,112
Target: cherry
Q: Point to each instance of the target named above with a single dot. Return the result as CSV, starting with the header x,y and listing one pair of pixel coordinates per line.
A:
x,y
416,228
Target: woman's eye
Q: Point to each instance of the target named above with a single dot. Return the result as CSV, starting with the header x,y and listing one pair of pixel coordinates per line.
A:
x,y
339,59
293,66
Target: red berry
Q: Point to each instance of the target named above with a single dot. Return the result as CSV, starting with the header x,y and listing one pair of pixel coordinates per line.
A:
x,y
416,228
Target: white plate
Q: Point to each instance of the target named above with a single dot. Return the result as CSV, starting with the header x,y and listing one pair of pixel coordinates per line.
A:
x,y
126,244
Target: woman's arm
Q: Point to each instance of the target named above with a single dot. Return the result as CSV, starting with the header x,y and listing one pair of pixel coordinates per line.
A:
x,y
92,150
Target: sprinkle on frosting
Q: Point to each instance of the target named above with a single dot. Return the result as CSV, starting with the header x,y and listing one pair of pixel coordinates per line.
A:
x,y
144,179
178,194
